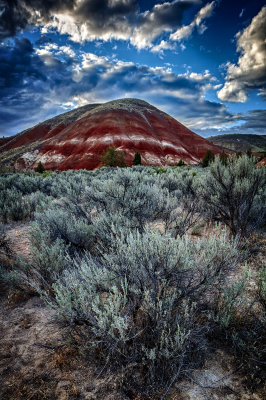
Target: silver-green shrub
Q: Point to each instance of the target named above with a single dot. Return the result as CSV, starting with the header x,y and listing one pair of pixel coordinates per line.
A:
x,y
60,223
47,262
38,201
128,192
21,182
8,275
141,300
182,206
13,206
235,193
231,298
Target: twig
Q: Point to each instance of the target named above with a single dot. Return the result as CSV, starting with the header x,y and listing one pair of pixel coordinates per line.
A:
x,y
173,380
48,347
105,365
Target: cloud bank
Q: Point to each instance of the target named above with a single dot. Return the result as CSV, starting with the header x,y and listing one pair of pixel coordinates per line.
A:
x,y
54,78
249,72
89,20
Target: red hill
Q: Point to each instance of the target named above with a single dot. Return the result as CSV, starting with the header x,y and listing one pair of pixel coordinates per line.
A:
x,y
76,139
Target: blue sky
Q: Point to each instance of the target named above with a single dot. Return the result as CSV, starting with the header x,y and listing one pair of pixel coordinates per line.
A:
x,y
203,62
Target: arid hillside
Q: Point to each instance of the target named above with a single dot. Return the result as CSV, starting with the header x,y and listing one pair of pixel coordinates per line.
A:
x,y
238,142
76,139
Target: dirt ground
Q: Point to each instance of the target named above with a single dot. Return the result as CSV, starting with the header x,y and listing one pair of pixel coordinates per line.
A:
x,y
37,363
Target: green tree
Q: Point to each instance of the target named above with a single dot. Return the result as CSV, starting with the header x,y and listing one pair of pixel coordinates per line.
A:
x,y
180,163
113,158
223,158
40,168
249,153
207,159
137,159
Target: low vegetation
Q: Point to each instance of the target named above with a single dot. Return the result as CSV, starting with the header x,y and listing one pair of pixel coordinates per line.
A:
x,y
140,299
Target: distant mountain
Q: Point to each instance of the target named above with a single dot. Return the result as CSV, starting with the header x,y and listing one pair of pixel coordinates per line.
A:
x,y
238,142
76,139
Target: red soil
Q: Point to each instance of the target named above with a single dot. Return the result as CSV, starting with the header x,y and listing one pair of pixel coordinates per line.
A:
x,y
262,162
76,140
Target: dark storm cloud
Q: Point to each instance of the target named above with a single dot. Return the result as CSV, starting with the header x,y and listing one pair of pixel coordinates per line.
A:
x,y
94,19
12,18
101,11
18,66
25,85
17,14
168,13
98,18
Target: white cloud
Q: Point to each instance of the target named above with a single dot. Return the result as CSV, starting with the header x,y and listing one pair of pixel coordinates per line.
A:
x,y
68,51
185,31
249,72
201,77
82,31
163,45
233,91
105,20
87,23
47,50
204,13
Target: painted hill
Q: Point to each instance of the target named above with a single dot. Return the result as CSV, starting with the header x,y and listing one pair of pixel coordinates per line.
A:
x,y
77,138
238,142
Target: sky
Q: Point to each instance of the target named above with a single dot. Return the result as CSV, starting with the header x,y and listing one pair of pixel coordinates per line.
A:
x,y
202,62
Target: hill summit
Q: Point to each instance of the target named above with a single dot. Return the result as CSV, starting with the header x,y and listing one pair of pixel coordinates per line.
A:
x,y
76,139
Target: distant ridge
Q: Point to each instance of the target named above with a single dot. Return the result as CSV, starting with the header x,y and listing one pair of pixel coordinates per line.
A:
x,y
76,139
240,142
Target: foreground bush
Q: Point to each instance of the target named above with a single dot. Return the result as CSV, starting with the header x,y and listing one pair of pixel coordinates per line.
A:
x,y
135,300
13,206
129,193
235,194
58,223
183,205
6,273
141,306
